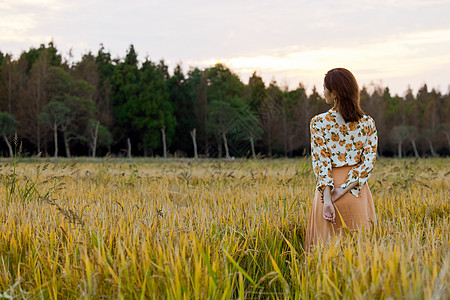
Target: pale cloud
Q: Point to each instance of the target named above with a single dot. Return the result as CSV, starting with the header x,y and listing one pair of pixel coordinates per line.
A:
x,y
392,58
21,20
16,27
15,5
405,4
426,37
18,30
18,22
401,41
409,3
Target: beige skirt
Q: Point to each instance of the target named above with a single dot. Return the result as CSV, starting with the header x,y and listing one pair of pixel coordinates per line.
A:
x,y
357,212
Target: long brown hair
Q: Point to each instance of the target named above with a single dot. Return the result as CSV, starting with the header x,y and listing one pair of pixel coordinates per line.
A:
x,y
344,84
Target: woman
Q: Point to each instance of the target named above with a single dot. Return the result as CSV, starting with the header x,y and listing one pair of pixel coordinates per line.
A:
x,y
344,146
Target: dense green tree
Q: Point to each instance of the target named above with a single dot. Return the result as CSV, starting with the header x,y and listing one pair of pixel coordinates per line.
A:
x,y
221,117
255,96
297,108
105,70
125,90
184,111
271,116
224,94
393,116
223,83
255,92
163,69
152,111
430,118
197,89
141,103
246,128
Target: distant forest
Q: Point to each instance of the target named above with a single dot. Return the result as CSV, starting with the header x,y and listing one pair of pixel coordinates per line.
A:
x,y
102,106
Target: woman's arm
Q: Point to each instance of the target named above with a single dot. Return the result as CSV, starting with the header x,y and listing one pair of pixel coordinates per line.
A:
x,y
320,155
339,192
328,208
350,186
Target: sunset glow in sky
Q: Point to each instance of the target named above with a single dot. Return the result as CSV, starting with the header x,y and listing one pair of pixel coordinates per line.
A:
x,y
394,43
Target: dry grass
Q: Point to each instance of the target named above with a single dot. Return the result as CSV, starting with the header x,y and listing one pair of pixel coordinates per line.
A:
x,y
215,229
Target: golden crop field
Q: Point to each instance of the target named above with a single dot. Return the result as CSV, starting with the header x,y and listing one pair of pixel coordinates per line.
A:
x,y
214,229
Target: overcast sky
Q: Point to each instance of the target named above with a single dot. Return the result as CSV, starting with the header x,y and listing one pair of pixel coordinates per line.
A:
x,y
390,42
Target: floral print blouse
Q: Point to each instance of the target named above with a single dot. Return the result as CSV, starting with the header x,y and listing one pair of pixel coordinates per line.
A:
x,y
336,143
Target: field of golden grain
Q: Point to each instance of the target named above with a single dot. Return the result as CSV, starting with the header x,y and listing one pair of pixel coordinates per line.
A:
x,y
185,229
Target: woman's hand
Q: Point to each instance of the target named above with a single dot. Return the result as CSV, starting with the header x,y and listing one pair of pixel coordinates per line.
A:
x,y
328,212
337,193
328,208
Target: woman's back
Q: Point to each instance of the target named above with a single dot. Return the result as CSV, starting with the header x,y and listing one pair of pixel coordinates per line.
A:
x,y
346,142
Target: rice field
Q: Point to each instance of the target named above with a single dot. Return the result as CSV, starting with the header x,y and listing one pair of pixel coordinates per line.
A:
x,y
214,229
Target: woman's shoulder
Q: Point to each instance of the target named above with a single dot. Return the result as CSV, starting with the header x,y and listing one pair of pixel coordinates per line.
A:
x,y
319,119
367,125
368,119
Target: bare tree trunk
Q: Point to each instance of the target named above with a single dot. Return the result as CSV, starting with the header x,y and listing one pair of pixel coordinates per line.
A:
x,y
224,137
194,141
66,144
94,146
433,153
11,154
416,154
252,145
399,149
219,146
448,139
129,147
163,132
55,136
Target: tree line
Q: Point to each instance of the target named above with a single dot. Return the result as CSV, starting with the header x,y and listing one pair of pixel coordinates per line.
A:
x,y
125,107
